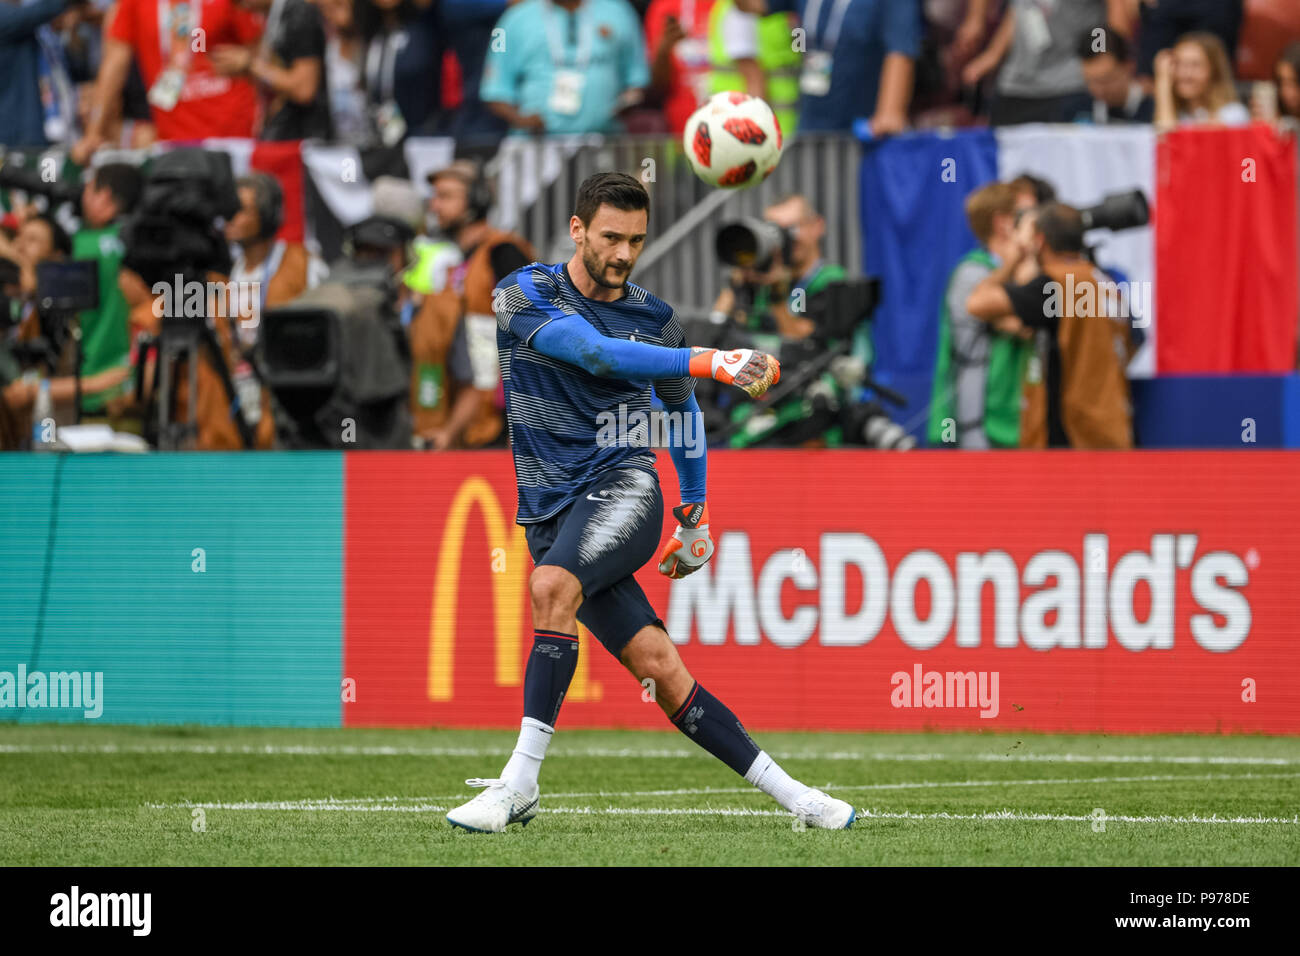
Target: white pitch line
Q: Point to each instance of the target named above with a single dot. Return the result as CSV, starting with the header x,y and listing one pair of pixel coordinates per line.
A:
x,y
343,802
990,816
345,750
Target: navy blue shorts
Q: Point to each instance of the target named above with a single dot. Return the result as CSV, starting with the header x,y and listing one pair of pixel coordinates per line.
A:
x,y
602,538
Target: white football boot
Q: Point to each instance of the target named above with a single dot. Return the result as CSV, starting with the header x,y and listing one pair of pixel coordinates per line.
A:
x,y
495,808
818,809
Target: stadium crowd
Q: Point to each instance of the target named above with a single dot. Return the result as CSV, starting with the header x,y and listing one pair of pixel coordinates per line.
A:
x,y
90,76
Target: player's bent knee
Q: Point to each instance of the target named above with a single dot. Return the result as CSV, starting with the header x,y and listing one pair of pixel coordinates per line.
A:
x,y
554,591
655,657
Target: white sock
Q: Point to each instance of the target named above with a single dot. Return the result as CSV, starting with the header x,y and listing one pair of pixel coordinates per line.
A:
x,y
766,774
526,760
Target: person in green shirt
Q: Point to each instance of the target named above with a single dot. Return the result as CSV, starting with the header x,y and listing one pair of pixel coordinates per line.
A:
x,y
108,196
980,364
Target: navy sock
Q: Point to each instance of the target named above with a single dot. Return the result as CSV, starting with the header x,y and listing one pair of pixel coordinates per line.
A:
x,y
708,722
550,669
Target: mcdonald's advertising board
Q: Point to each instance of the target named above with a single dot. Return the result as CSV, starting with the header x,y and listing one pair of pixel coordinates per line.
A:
x,y
1141,592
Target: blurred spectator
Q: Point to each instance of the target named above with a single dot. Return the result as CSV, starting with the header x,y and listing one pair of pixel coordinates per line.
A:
x,y
276,269
980,363
1164,22
1194,84
36,95
1282,101
677,44
569,66
189,99
454,370
1111,75
109,196
774,299
755,55
468,24
1034,50
859,57
39,240
287,66
398,200
131,126
1082,350
1288,82
267,272
343,52
402,66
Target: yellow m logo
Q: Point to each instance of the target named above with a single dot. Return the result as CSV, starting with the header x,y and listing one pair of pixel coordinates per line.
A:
x,y
509,593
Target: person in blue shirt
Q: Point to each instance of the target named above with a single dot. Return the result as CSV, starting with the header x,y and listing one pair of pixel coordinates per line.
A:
x,y
581,349
467,26
565,66
859,61
22,113
401,66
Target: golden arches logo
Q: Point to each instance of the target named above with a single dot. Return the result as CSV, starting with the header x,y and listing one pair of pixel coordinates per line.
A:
x,y
507,548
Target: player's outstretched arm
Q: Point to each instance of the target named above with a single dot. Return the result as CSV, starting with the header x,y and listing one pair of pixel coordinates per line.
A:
x,y
572,339
691,545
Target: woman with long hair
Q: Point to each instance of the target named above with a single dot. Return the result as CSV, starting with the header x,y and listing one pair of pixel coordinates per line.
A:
x,y
1287,75
1194,84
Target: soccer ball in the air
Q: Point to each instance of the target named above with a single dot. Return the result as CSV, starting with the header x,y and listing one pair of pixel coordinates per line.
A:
x,y
733,141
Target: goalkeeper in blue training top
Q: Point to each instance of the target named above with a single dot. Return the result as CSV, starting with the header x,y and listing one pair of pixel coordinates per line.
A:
x,y
578,344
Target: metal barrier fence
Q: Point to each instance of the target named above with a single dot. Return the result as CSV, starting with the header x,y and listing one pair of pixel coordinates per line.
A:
x,y
538,179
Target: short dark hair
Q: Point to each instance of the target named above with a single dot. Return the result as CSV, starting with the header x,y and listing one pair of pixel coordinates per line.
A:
x,y
1044,192
123,181
610,189
1061,226
1111,42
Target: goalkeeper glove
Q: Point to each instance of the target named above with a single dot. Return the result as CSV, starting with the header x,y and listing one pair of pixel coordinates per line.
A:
x,y
747,369
690,546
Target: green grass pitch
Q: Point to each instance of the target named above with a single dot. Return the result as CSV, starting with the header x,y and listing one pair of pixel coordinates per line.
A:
x,y
97,795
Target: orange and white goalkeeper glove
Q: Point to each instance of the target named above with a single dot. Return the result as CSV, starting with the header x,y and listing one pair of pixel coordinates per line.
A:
x,y
747,369
690,546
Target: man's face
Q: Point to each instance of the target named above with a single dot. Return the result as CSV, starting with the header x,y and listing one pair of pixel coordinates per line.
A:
x,y
610,244
450,201
244,226
97,205
807,227
35,243
1108,79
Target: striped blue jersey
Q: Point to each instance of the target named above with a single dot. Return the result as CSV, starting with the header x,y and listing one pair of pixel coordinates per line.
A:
x,y
555,411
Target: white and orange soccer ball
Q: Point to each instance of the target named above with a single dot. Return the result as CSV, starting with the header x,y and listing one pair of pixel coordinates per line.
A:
x,y
733,141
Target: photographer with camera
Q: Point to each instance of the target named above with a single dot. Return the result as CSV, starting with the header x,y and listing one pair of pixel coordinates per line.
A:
x,y
786,299
1082,349
770,295
39,371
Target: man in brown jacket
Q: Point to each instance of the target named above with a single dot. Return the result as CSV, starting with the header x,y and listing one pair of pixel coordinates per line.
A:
x,y
454,371
1076,393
